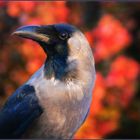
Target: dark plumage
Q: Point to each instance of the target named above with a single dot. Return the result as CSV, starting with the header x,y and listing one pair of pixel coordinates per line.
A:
x,y
55,101
19,111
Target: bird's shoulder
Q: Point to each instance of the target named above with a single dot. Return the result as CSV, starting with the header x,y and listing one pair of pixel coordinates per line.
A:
x,y
22,94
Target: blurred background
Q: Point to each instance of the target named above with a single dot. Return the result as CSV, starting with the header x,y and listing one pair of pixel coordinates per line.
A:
x,y
113,31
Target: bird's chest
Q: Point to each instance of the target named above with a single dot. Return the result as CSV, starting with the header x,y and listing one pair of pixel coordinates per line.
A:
x,y
65,107
59,98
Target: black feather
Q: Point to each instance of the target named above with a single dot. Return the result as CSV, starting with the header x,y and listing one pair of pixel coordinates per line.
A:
x,y
21,109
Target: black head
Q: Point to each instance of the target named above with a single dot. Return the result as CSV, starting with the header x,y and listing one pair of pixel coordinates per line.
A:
x,y
54,41
52,38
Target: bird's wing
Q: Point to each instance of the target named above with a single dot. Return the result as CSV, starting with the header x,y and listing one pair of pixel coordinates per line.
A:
x,y
21,109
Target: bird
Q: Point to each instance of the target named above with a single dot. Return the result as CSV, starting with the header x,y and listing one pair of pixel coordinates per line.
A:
x,y
55,101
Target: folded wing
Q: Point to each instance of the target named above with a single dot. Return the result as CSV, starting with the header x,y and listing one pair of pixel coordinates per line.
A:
x,y
21,109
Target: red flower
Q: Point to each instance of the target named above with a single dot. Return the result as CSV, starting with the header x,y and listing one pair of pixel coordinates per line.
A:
x,y
111,37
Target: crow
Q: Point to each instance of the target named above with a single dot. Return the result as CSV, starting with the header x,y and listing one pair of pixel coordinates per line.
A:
x,y
55,101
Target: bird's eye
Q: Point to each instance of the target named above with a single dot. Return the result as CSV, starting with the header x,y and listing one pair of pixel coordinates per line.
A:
x,y
63,35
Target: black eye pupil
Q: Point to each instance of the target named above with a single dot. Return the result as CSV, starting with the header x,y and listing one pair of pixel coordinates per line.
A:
x,y
63,36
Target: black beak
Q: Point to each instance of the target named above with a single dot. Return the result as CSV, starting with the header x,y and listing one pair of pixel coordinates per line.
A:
x,y
31,32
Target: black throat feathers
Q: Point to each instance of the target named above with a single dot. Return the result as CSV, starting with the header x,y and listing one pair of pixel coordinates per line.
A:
x,y
55,66
59,69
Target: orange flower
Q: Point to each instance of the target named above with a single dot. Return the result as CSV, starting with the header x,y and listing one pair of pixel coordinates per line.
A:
x,y
33,65
27,6
122,70
122,76
13,9
89,37
111,37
